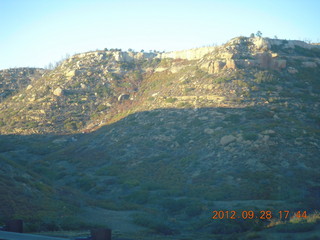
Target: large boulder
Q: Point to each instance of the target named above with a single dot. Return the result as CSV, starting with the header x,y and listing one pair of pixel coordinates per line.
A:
x,y
225,140
58,92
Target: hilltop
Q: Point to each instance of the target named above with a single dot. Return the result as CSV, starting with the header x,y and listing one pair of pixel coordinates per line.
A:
x,y
174,135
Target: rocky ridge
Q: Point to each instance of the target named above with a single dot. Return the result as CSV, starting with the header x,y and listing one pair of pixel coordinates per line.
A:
x,y
91,88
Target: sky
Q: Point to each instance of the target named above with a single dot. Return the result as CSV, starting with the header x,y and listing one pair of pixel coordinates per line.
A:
x,y
35,33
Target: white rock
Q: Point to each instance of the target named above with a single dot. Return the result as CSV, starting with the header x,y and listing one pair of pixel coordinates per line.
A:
x,y
58,91
225,140
208,131
309,64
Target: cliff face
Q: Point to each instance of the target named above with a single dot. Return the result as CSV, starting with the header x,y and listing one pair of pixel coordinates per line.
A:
x,y
246,52
191,54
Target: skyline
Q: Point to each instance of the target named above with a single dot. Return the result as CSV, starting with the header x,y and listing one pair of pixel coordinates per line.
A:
x,y
36,33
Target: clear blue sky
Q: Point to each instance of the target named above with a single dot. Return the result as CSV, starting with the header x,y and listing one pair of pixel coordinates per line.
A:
x,y
36,32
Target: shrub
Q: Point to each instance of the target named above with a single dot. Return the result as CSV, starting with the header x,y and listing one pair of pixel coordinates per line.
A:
x,y
174,206
186,90
222,79
264,76
140,197
184,105
251,136
31,124
102,108
86,183
314,52
72,125
157,225
171,100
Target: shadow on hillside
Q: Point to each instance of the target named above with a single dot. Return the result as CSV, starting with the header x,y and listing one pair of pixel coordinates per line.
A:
x,y
207,154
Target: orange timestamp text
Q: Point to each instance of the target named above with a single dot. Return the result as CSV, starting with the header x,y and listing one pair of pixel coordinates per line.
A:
x,y
263,214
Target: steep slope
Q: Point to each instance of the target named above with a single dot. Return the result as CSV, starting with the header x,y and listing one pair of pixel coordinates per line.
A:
x,y
176,135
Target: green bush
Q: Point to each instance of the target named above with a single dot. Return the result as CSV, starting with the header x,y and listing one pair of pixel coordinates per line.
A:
x,y
251,136
103,91
222,79
171,100
102,108
72,125
186,90
265,77
86,183
185,105
31,124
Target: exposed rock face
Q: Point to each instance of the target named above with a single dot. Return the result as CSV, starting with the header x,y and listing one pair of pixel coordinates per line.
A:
x,y
217,66
242,52
192,54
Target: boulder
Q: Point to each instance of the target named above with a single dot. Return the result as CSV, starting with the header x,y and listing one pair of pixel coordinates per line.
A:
x,y
309,64
225,140
58,91
208,131
71,73
292,70
123,97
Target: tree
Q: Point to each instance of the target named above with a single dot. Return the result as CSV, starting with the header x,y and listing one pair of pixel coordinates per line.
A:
x,y
252,35
259,34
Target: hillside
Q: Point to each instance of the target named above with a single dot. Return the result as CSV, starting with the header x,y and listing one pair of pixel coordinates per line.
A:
x,y
173,135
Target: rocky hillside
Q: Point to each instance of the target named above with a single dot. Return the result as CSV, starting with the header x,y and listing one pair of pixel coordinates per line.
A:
x,y
173,135
91,89
16,79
